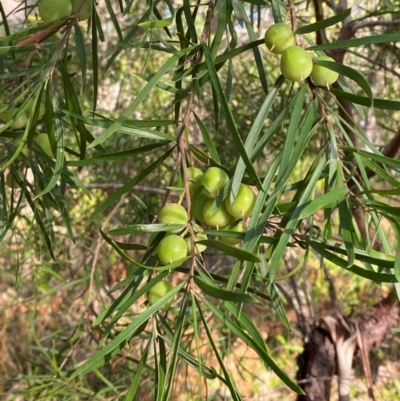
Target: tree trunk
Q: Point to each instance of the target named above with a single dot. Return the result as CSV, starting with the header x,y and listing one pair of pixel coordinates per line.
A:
x,y
332,344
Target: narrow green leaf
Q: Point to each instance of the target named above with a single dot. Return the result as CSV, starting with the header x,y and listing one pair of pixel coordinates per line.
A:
x,y
371,275
317,26
330,199
351,73
224,295
117,156
145,228
230,250
358,42
207,140
125,334
228,381
126,188
251,140
138,374
277,303
292,130
140,97
276,257
229,117
254,345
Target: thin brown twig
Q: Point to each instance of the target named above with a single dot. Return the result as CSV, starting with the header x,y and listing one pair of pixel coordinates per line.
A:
x,y
371,23
292,11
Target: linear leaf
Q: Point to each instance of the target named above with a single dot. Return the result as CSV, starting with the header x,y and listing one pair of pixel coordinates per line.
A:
x,y
126,188
349,72
229,117
140,97
317,26
330,199
254,345
230,250
125,334
224,295
358,42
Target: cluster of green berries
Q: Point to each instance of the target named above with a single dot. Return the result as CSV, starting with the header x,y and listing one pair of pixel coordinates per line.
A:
x,y
296,64
19,121
52,10
230,216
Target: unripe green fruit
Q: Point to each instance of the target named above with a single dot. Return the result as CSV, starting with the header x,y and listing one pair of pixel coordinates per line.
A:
x,y
198,248
43,141
195,176
11,182
51,10
30,110
171,248
239,228
158,291
296,64
150,242
279,37
220,218
86,11
214,179
173,213
323,76
19,122
198,213
25,150
243,204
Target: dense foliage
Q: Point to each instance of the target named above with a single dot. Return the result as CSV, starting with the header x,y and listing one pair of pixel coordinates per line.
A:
x,y
111,112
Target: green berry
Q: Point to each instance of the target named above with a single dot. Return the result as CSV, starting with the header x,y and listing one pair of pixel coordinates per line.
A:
x,y
173,213
43,141
86,11
219,218
52,10
323,76
279,37
296,64
239,228
198,247
171,248
158,291
243,204
214,179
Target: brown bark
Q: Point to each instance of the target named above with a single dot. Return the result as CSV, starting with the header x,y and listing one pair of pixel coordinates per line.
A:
x,y
317,365
329,348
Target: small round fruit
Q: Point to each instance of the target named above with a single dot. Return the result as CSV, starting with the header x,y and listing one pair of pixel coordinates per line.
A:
x,y
30,109
151,240
173,213
220,218
214,179
296,64
323,76
198,213
195,177
171,248
243,205
279,37
51,10
19,122
198,248
11,182
25,150
86,11
43,141
239,228
158,291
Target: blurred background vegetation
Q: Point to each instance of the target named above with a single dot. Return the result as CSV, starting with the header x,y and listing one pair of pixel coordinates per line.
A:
x,y
48,303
